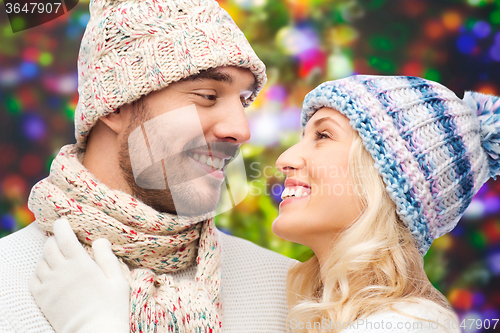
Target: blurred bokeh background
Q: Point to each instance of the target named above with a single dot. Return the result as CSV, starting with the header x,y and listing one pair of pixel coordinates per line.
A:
x,y
303,43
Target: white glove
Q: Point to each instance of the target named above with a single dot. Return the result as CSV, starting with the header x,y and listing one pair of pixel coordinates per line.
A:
x,y
77,294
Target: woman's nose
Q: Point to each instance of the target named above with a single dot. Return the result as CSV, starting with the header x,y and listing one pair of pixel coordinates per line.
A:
x,y
291,159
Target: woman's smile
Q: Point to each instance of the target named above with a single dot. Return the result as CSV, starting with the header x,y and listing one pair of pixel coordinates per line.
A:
x,y
318,199
295,190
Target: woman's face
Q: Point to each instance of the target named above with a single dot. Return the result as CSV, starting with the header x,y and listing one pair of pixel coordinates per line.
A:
x,y
318,200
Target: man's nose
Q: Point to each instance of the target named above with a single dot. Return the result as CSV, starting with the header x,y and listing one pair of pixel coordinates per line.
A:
x,y
232,124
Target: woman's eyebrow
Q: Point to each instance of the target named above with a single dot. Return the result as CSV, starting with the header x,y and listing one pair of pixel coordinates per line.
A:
x,y
319,121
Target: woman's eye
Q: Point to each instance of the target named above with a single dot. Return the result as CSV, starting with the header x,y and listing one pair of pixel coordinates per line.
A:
x,y
320,135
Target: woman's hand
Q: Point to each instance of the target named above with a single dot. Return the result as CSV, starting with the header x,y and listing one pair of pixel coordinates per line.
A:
x,y
77,294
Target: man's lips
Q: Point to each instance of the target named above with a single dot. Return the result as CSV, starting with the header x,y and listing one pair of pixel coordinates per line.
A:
x,y
211,153
208,164
221,150
210,160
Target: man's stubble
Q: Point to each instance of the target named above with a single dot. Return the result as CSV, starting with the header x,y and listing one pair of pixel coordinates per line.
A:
x,y
189,201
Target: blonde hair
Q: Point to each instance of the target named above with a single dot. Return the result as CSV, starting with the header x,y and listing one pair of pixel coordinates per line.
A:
x,y
372,265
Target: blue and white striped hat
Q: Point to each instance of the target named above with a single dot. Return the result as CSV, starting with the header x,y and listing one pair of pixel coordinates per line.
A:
x,y
433,150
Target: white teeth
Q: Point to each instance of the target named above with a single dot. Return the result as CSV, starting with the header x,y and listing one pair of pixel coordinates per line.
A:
x,y
289,192
217,163
213,162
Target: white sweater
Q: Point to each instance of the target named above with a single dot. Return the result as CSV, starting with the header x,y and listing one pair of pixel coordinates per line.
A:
x,y
410,318
253,285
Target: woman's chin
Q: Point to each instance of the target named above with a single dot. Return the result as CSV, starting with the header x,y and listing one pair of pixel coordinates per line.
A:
x,y
285,228
276,227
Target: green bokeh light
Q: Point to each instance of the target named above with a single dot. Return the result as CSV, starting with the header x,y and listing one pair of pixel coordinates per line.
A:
x,y
13,105
495,17
478,239
381,64
374,4
45,59
69,112
17,23
433,75
381,43
48,163
469,24
474,2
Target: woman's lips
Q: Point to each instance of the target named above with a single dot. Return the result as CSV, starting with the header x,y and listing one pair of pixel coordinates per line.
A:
x,y
291,182
294,193
293,199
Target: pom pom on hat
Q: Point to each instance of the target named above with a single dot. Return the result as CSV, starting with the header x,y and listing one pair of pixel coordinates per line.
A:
x,y
487,108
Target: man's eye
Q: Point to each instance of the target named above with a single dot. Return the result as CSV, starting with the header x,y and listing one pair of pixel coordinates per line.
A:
x,y
209,97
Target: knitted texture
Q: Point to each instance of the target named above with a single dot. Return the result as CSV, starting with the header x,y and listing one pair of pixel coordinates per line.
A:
x,y
253,280
131,48
430,147
488,111
149,244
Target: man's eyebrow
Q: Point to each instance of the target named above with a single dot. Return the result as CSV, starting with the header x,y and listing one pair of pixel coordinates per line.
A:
x,y
214,74
211,74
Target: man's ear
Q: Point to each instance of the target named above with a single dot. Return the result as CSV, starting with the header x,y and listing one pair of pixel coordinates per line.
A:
x,y
116,121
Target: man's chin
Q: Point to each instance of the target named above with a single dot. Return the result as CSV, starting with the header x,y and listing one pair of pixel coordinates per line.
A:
x,y
200,202
186,203
192,198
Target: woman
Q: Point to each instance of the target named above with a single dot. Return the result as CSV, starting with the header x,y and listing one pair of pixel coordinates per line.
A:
x,y
385,166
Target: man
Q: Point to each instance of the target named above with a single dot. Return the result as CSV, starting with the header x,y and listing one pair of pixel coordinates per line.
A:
x,y
163,85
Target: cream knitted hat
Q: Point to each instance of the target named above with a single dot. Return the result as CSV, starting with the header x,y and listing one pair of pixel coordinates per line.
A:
x,y
133,47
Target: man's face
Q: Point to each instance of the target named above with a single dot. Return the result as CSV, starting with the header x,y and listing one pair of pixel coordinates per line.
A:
x,y
211,126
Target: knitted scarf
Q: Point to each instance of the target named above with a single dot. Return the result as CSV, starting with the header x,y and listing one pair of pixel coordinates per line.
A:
x,y
149,244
